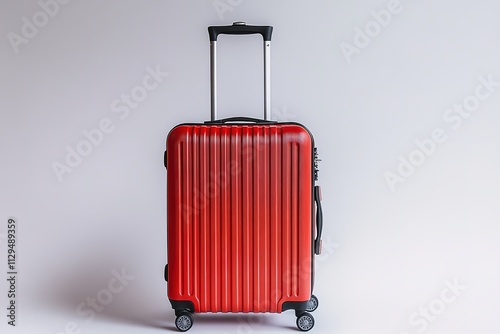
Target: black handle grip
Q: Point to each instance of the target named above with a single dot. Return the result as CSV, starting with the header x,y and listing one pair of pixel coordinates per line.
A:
x,y
319,220
240,119
240,28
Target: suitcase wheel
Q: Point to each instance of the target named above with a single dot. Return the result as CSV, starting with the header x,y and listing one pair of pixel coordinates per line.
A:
x,y
305,322
184,321
312,304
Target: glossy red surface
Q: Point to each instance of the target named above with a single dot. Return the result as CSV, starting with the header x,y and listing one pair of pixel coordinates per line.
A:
x,y
239,210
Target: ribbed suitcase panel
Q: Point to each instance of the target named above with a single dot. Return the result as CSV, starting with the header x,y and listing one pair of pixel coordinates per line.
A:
x,y
239,216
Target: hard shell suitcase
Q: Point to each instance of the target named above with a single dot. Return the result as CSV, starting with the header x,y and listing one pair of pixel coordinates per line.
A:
x,y
244,216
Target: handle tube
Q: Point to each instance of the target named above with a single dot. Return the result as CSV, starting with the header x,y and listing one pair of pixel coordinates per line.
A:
x,y
213,80
267,80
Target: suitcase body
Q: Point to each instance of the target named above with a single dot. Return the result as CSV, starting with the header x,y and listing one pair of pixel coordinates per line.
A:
x,y
243,218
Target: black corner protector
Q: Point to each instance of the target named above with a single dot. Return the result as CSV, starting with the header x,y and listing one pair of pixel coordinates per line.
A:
x,y
165,274
182,305
297,306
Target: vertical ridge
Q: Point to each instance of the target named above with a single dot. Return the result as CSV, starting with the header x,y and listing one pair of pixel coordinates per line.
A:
x,y
256,195
279,223
295,221
267,222
204,222
225,214
285,213
188,256
196,215
180,216
214,196
247,234
236,215
275,214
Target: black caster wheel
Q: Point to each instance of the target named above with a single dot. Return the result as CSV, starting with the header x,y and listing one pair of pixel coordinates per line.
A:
x,y
312,304
184,321
305,322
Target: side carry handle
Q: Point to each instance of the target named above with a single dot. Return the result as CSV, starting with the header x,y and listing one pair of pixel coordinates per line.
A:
x,y
319,220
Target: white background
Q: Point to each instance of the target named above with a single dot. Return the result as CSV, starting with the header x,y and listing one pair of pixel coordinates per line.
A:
x,y
387,254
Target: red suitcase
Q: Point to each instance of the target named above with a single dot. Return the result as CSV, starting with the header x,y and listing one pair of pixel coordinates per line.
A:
x,y
244,216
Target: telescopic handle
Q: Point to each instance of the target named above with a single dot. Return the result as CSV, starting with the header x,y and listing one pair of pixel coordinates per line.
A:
x,y
240,28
